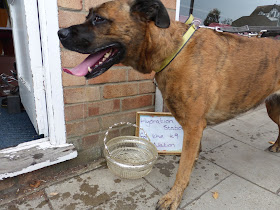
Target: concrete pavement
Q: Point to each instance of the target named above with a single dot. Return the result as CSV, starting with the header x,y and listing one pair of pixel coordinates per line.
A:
x,y
234,163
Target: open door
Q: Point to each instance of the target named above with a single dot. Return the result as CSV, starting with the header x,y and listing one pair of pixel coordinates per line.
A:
x,y
26,35
35,25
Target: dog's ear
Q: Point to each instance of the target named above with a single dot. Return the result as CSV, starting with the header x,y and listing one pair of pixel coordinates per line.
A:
x,y
152,10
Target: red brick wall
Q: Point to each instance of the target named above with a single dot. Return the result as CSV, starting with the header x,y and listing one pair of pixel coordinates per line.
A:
x,y
91,106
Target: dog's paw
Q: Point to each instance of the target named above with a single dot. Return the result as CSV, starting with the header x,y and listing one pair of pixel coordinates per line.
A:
x,y
168,202
274,148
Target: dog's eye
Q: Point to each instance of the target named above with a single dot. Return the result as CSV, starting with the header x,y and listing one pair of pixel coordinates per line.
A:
x,y
97,20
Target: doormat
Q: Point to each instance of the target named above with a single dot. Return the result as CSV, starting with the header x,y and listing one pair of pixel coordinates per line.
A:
x,y
15,128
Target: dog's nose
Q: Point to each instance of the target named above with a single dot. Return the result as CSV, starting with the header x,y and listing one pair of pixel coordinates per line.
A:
x,y
63,33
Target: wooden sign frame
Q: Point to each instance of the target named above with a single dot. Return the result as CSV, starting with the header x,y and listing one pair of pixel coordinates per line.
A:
x,y
179,137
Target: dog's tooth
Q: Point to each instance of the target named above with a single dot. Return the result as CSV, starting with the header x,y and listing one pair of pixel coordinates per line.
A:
x,y
107,55
100,63
89,69
104,59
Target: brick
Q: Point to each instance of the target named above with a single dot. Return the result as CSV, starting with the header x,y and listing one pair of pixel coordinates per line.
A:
x,y
110,76
92,93
134,75
112,134
91,3
137,102
75,129
68,18
170,4
128,131
120,90
108,121
103,107
70,80
83,94
70,59
74,95
76,141
91,126
172,14
71,4
90,141
147,87
83,127
75,112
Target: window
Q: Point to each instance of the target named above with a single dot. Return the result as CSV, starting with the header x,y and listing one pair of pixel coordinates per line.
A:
x,y
234,13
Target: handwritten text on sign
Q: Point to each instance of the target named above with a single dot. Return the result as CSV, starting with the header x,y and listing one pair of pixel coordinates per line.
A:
x,y
164,131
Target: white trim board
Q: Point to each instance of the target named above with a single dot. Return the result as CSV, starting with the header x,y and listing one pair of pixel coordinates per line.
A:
x,y
33,155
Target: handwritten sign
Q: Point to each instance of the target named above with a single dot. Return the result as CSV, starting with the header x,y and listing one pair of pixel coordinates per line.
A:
x,y
163,130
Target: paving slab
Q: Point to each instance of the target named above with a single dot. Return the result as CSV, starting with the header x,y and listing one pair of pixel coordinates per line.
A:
x,y
257,136
236,193
143,197
89,190
256,118
39,203
205,175
252,164
212,139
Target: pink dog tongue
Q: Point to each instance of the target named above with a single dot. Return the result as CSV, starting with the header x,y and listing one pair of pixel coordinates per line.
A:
x,y
90,61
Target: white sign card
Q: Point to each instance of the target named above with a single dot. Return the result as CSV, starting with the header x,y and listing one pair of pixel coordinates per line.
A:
x,y
163,130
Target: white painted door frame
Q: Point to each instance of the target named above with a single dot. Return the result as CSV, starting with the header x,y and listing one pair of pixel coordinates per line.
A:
x,y
48,18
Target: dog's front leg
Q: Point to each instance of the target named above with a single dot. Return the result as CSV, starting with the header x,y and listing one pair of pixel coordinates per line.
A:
x,y
191,145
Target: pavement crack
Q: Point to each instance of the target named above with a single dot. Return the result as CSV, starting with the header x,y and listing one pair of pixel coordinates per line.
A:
x,y
47,199
278,192
207,190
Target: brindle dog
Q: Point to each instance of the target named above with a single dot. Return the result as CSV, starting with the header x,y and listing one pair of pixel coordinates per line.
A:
x,y
215,77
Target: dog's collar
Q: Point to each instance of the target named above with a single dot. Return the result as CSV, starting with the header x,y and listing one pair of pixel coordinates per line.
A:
x,y
186,38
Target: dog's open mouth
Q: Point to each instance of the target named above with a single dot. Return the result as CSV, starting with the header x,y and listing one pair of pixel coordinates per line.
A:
x,y
99,61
